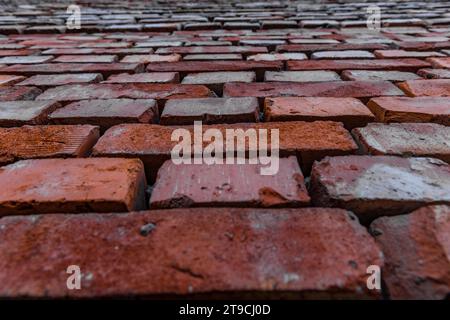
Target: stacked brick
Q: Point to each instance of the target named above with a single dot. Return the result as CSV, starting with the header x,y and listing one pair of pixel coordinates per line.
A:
x,y
87,118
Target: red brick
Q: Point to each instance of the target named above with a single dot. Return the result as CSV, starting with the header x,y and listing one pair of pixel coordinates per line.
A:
x,y
211,252
347,54
434,73
51,80
278,56
150,58
216,80
301,76
415,247
372,75
106,113
132,91
418,88
17,52
310,141
72,185
86,59
17,113
404,109
25,59
349,111
49,68
405,139
355,89
10,93
309,48
440,62
373,186
213,49
229,185
410,65
7,80
210,110
148,77
392,54
31,142
215,56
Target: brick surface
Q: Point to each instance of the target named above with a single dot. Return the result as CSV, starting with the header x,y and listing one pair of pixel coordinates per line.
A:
x,y
227,185
415,247
349,111
434,73
405,139
210,110
51,80
7,80
216,80
31,142
404,109
11,93
301,76
436,62
55,185
150,58
86,59
188,253
17,113
365,75
151,77
418,88
372,186
106,113
130,91
409,65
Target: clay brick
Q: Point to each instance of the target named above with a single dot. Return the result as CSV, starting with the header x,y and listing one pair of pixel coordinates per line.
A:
x,y
216,80
162,92
106,113
201,252
434,73
25,59
216,56
210,110
7,80
247,50
409,65
229,185
405,139
150,58
435,62
309,141
148,77
17,52
17,113
393,54
185,67
373,186
348,54
405,109
60,185
51,80
301,76
86,59
309,48
434,87
370,75
415,247
278,56
351,112
11,93
50,68
31,142
337,89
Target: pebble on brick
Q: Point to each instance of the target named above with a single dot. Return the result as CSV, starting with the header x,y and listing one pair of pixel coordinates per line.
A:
x,y
210,110
31,142
216,80
201,252
106,113
72,185
373,186
415,247
405,109
434,87
352,112
18,113
405,139
229,185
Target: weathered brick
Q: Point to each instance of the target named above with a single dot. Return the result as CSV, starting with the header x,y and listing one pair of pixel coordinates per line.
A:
x,y
355,89
229,185
246,50
309,48
434,87
440,62
25,59
150,58
348,54
7,80
415,247
215,56
434,73
131,91
410,65
393,54
373,186
12,93
310,141
201,252
17,113
405,109
370,75
216,80
60,185
106,113
148,77
349,111
278,56
301,76
405,139
86,58
210,110
31,142
51,80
